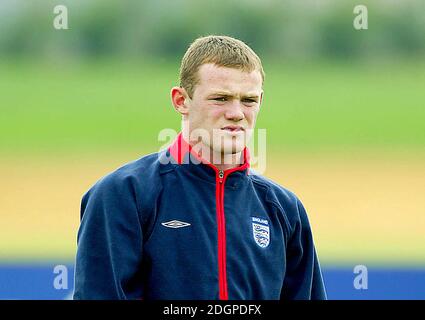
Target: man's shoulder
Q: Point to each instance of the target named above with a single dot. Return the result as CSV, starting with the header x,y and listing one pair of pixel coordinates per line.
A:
x,y
142,171
284,199
141,166
275,190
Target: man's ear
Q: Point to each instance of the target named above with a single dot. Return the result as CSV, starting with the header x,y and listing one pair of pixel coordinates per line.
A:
x,y
180,99
261,98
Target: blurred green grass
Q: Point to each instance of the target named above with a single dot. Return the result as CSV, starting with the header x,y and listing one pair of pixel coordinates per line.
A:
x,y
56,107
119,108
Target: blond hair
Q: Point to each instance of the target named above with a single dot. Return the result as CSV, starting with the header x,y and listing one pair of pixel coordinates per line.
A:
x,y
222,51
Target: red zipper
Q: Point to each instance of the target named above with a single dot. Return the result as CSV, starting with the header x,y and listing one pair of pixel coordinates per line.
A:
x,y
221,227
178,150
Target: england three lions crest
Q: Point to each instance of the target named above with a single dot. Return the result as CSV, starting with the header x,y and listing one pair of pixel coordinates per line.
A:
x,y
261,231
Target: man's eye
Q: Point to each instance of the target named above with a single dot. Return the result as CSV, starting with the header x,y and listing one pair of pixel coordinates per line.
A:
x,y
220,99
249,101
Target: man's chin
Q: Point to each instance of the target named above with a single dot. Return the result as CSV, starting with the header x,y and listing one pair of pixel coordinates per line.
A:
x,y
229,145
229,149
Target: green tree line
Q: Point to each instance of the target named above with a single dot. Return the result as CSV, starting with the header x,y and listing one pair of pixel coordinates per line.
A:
x,y
163,28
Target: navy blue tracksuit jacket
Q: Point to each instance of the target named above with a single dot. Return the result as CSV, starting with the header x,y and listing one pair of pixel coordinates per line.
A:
x,y
168,227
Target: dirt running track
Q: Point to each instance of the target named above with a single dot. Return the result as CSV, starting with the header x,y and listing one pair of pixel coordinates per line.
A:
x,y
363,209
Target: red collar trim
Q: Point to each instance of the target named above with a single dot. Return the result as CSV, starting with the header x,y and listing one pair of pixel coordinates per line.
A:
x,y
179,148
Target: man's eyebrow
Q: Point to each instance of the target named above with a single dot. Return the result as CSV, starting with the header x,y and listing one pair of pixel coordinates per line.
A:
x,y
251,96
230,94
221,93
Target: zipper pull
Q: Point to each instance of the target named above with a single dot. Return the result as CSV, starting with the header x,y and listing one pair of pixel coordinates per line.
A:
x,y
221,175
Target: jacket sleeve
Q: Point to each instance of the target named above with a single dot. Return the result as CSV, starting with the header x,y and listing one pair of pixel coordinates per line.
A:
x,y
303,279
109,253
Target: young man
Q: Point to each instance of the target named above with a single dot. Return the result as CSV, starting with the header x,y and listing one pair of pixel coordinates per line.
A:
x,y
192,222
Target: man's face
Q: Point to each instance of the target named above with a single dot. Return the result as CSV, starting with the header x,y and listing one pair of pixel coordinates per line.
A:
x,y
224,107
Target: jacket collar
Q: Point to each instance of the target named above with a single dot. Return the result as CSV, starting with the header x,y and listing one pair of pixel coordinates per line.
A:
x,y
183,154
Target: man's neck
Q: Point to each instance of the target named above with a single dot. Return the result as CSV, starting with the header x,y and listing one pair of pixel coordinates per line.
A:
x,y
220,160
228,161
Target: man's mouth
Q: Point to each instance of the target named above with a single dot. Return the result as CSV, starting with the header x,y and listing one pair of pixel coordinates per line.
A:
x,y
233,128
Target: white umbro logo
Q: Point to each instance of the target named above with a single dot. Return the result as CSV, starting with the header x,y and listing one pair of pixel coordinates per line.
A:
x,y
175,224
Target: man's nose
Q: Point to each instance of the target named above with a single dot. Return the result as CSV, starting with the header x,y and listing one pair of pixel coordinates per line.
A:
x,y
235,111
